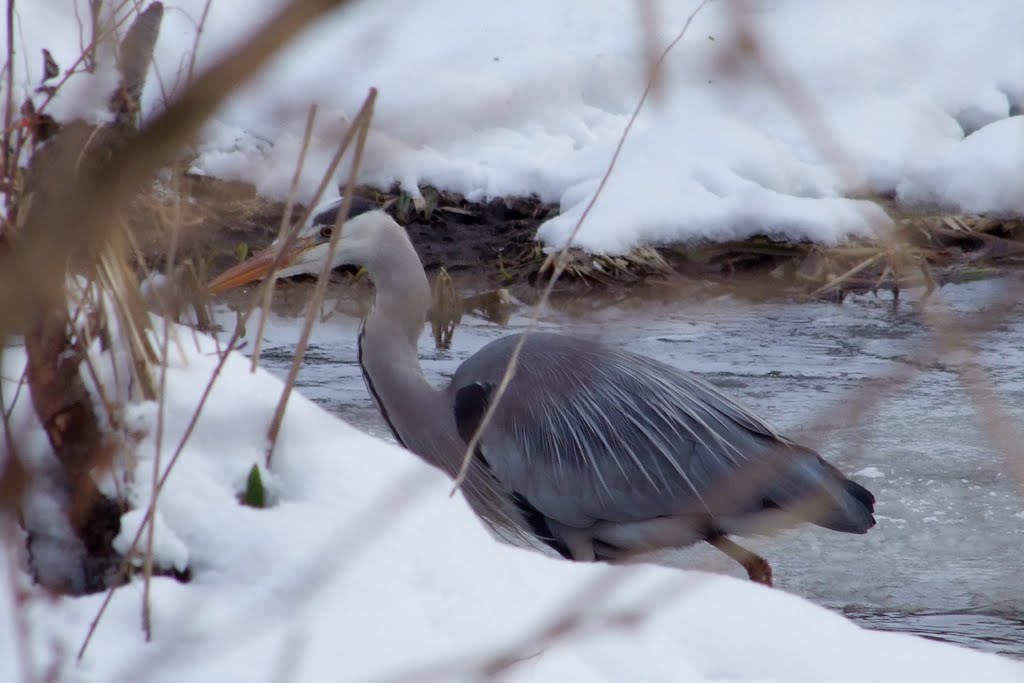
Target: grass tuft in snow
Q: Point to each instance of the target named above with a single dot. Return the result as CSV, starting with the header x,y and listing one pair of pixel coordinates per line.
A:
x,y
255,494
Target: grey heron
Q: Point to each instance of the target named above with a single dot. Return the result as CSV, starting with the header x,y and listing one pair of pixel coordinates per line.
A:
x,y
594,451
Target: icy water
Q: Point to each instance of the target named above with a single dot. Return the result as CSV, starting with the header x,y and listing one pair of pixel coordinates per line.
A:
x,y
945,560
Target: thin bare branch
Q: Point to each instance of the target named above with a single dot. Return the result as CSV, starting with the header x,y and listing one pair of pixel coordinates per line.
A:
x,y
158,141
8,166
344,546
93,199
835,282
286,217
147,567
361,127
200,26
18,600
999,426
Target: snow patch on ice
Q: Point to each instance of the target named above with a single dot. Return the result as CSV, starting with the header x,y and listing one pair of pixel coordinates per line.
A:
x,y
870,473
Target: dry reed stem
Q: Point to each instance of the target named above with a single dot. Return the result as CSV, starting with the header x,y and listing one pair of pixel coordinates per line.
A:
x,y
151,508
18,599
158,141
580,615
293,646
7,167
95,199
835,282
147,566
289,204
6,411
1001,428
200,25
562,256
147,518
361,128
190,427
348,542
566,620
82,59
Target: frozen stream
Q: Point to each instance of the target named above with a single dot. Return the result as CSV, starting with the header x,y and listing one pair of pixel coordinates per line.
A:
x,y
946,557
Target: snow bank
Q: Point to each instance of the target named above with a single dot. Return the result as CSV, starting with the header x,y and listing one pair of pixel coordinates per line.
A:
x,y
322,588
532,97
983,173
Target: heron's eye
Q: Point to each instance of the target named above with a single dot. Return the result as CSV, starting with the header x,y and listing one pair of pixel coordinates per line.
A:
x,y
326,231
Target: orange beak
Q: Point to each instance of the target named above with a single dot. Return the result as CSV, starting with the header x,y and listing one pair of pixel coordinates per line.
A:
x,y
255,268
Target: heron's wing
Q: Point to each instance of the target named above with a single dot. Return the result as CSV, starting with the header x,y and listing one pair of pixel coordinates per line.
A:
x,y
587,433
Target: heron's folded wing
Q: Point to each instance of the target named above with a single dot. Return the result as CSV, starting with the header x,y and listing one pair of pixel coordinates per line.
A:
x,y
588,433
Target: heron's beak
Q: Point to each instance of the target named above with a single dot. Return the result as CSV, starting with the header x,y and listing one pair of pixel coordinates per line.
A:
x,y
257,267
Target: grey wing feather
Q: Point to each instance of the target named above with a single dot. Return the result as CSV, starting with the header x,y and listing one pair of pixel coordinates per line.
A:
x,y
587,432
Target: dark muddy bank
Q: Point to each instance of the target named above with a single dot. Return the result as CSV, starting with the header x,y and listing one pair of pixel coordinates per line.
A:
x,y
485,245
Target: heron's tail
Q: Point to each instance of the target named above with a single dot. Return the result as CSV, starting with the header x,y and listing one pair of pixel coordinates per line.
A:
x,y
817,492
852,511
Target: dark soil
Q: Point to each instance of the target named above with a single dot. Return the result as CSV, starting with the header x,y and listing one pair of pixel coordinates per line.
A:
x,y
489,243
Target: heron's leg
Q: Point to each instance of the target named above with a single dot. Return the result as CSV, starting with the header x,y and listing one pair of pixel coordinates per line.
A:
x,y
578,541
757,567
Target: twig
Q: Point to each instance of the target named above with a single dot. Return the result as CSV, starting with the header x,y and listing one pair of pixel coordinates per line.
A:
x,y
346,544
147,566
9,410
151,508
293,646
286,217
94,16
835,282
193,421
95,198
20,625
583,613
176,123
360,126
200,25
83,55
1001,427
6,172
561,260
565,621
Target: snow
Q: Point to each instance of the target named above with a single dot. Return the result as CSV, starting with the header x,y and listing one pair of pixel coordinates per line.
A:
x,y
169,551
994,152
365,568
870,473
912,99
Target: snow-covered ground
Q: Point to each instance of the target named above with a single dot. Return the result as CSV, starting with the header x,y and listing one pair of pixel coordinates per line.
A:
x,y
919,99
365,569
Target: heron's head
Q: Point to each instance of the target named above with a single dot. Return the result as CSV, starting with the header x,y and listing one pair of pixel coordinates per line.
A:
x,y
307,255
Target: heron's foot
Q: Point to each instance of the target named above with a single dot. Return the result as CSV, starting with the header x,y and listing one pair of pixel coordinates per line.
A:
x,y
757,567
759,570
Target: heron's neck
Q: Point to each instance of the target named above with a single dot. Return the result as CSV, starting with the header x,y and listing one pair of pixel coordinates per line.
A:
x,y
415,411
